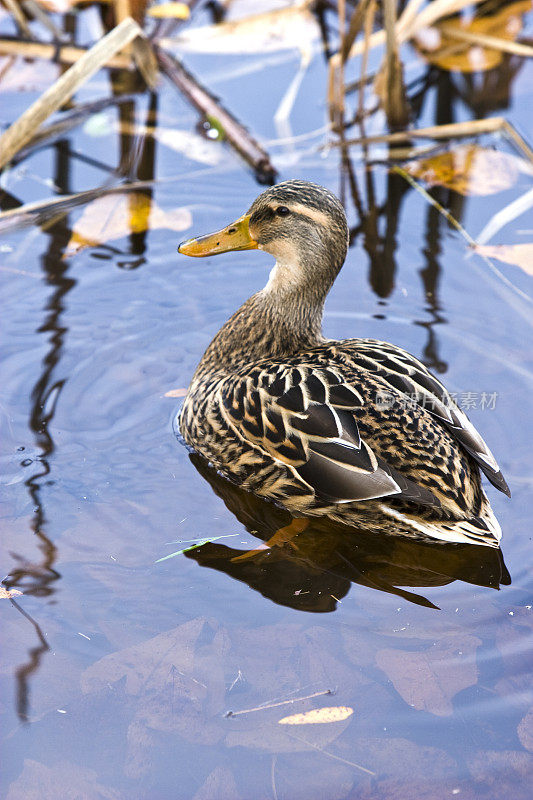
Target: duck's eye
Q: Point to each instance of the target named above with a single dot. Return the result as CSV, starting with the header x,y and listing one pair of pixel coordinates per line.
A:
x,y
282,211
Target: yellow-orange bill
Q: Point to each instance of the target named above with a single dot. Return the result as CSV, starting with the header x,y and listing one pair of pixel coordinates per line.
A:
x,y
235,237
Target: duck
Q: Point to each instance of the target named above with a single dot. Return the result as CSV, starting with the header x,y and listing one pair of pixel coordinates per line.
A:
x,y
351,430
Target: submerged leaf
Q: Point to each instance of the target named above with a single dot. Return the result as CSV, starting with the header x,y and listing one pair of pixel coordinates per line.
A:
x,y
468,169
521,255
318,716
116,215
428,680
447,52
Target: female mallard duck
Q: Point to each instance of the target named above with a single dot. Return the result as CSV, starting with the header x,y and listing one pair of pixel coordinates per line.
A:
x,y
322,427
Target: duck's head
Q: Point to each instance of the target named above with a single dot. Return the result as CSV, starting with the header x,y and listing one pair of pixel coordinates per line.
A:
x,y
301,224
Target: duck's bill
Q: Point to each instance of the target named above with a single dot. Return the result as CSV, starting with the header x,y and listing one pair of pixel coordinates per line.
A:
x,y
235,237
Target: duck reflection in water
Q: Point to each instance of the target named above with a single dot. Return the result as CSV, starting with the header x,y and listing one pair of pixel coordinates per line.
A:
x,y
313,570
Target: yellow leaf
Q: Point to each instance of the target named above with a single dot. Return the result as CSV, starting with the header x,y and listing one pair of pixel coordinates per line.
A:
x,y
170,10
176,393
451,54
469,170
521,255
6,593
116,215
318,716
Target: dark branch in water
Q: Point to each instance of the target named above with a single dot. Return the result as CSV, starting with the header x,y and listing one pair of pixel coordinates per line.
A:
x,y
236,134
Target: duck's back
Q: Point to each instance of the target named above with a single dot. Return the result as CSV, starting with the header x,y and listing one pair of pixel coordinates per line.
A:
x,y
341,424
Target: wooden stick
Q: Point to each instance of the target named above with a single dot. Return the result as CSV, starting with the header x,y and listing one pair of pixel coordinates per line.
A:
x,y
209,106
62,90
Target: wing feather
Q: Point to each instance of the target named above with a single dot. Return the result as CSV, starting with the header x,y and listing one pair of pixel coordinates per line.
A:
x,y
404,372
311,428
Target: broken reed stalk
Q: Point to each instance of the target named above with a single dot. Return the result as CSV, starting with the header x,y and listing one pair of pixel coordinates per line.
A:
x,y
64,54
336,84
20,133
484,40
69,119
40,212
389,84
368,25
33,9
18,15
336,77
209,106
452,130
410,22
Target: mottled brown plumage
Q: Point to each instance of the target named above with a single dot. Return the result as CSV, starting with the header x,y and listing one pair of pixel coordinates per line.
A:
x,y
341,429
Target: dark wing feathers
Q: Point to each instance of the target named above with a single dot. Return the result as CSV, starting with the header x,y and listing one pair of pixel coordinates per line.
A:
x,y
408,375
311,427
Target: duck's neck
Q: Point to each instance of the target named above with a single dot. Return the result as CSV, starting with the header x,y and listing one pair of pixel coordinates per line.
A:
x,y
277,322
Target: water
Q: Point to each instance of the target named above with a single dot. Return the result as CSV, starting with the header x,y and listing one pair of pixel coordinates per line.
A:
x,y
121,668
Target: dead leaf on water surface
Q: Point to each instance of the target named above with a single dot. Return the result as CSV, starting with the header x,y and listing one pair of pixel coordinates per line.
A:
x,y
521,255
468,169
284,28
7,593
169,11
429,680
318,716
449,53
120,214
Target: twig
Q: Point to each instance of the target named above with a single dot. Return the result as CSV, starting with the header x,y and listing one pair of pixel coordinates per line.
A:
x,y
331,755
209,106
62,90
277,705
273,776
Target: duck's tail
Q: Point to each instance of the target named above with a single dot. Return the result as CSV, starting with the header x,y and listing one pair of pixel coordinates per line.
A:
x,y
483,529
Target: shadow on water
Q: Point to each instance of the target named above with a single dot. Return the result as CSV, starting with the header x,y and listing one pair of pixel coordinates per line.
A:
x,y
316,569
